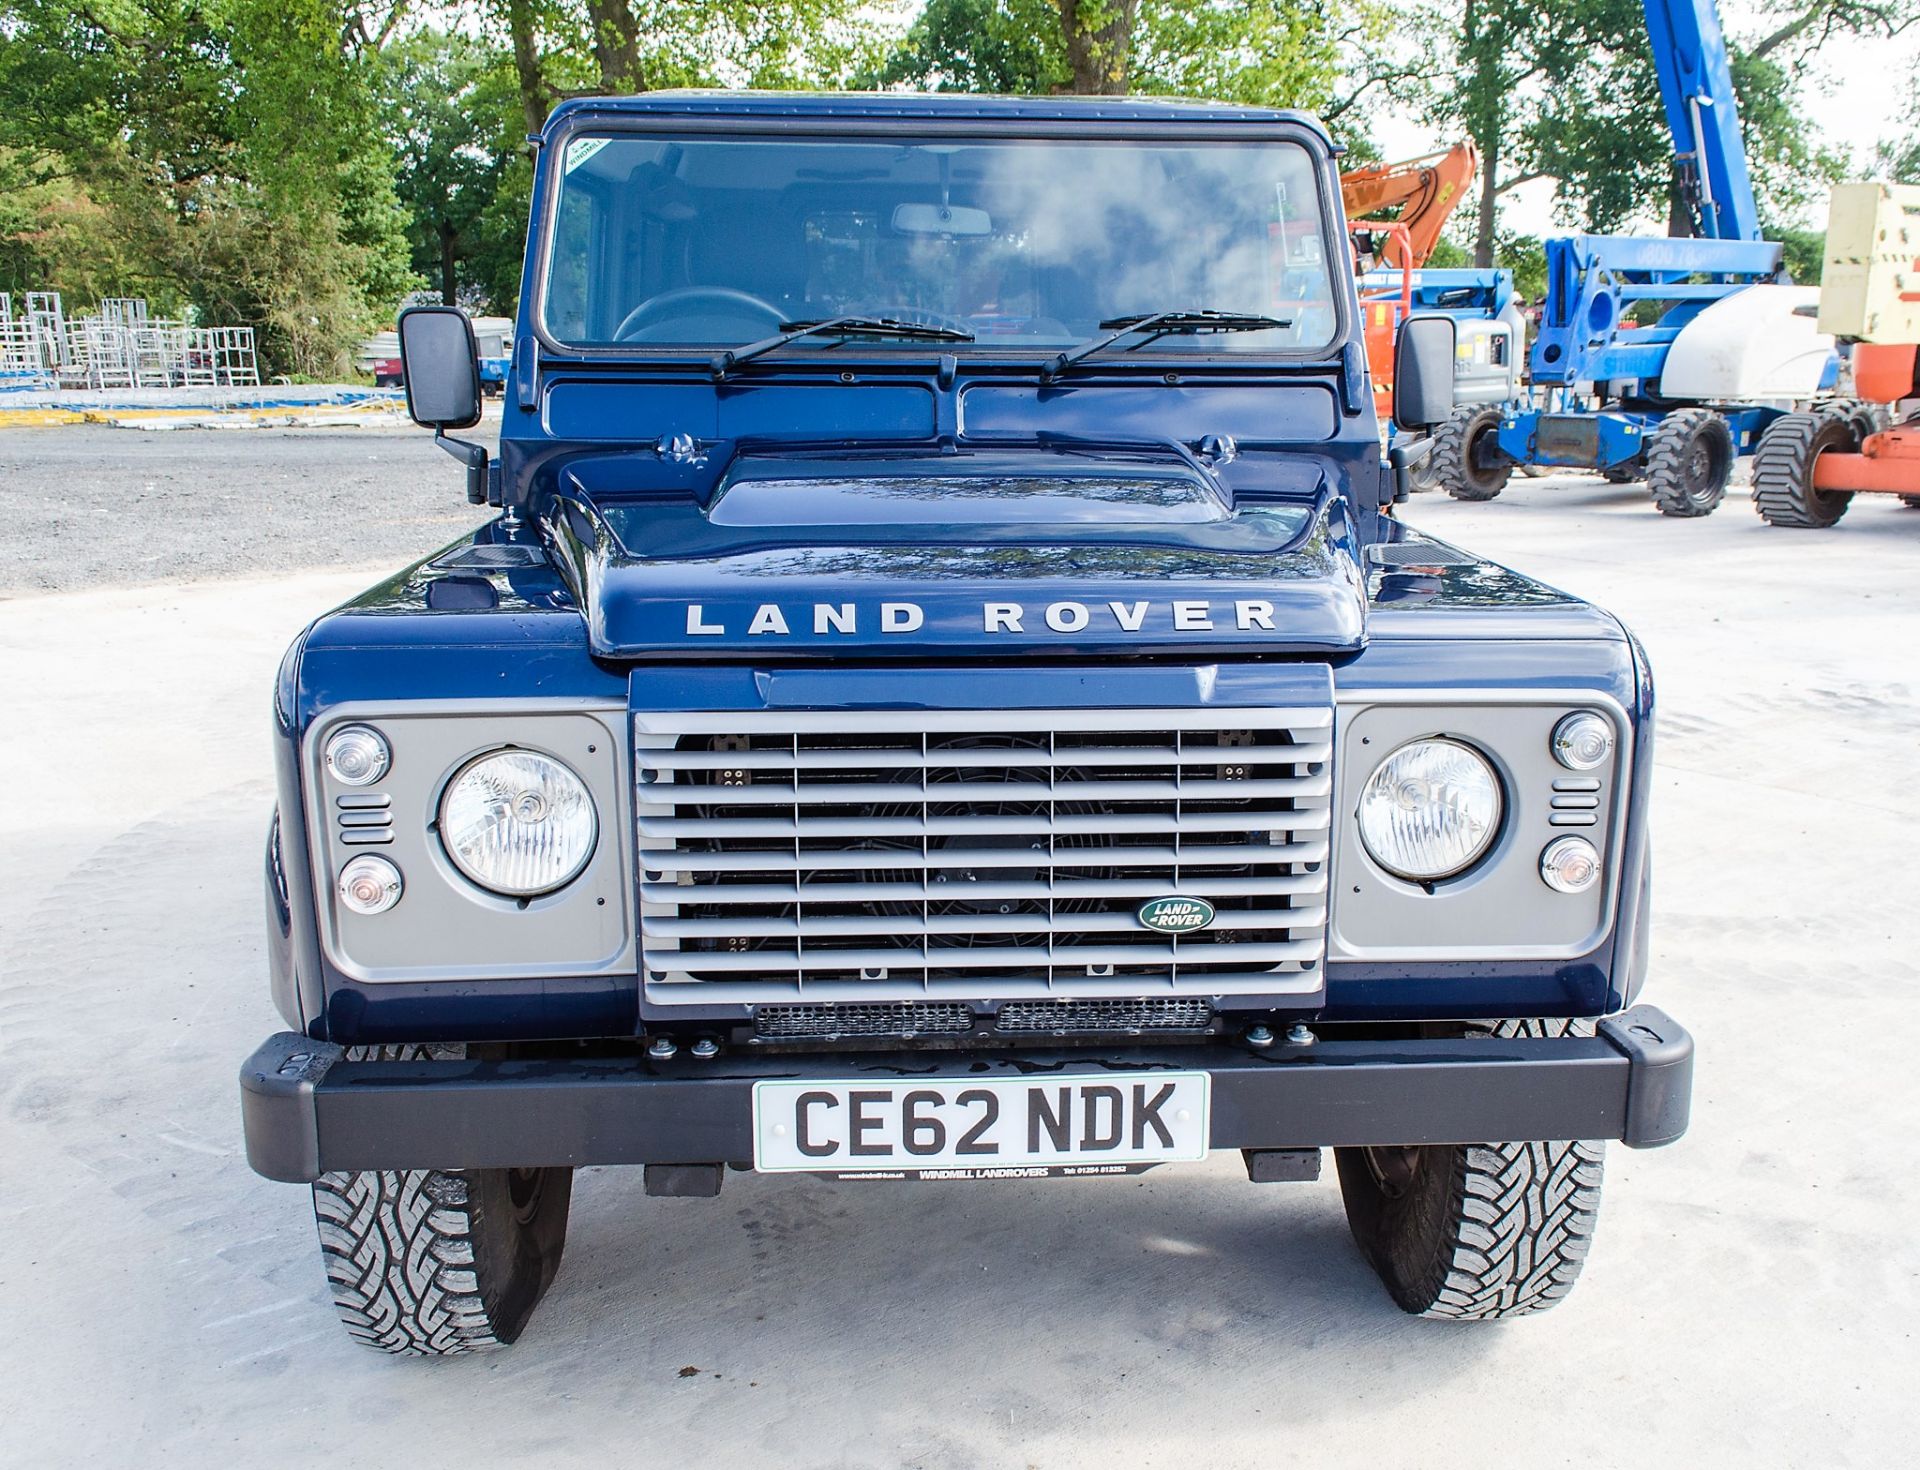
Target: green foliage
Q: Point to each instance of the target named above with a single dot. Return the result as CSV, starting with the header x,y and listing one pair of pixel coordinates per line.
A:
x,y
1526,257
1898,156
1282,53
1010,47
223,154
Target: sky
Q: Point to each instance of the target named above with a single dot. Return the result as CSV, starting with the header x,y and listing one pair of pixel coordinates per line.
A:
x,y
1853,93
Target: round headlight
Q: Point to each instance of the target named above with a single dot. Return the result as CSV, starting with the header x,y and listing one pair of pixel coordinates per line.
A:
x,y
357,755
370,884
518,823
1430,810
1570,865
1582,741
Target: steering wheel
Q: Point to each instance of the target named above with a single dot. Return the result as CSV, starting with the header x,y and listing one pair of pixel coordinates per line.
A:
x,y
689,301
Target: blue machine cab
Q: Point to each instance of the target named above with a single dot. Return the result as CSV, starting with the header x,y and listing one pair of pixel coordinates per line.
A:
x,y
941,695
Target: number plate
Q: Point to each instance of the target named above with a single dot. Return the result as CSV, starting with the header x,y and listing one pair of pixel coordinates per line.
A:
x,y
981,1128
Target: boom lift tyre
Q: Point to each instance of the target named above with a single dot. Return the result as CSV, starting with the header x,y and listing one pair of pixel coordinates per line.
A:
x,y
1690,456
1783,489
1467,460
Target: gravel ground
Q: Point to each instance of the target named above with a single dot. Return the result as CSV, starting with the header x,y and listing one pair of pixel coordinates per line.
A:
x,y
1752,1295
105,507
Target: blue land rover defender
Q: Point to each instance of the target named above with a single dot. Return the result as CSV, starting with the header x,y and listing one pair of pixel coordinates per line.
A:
x,y
944,697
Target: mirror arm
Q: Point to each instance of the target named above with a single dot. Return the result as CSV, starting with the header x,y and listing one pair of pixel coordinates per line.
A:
x,y
474,457
1402,459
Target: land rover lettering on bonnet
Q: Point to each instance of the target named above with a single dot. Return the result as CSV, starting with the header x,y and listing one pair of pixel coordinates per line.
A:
x,y
940,697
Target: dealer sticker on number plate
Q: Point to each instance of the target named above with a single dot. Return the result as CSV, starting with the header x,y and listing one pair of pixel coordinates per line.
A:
x,y
982,1128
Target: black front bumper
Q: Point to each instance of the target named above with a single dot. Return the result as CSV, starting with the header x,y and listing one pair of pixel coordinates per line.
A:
x,y
309,1110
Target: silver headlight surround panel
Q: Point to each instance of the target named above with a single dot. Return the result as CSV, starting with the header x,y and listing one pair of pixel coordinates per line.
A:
x,y
446,926
1499,908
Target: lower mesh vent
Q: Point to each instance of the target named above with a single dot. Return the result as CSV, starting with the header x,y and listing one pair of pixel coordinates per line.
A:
x,y
919,1019
1106,1015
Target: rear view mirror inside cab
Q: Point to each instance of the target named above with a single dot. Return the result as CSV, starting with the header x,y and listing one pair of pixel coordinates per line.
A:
x,y
940,219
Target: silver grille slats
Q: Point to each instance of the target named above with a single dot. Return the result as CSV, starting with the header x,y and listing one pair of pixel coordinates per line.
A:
x,y
985,854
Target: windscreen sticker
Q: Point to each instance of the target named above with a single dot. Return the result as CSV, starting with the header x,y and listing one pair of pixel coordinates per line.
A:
x,y
581,149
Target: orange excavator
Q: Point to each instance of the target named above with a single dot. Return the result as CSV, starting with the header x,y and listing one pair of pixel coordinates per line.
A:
x,y
1425,191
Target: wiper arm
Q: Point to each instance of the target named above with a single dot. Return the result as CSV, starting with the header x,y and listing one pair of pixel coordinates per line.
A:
x,y
849,326
1157,323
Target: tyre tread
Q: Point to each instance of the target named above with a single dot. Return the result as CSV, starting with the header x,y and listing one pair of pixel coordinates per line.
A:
x,y
1449,467
397,1248
1783,493
399,1261
1666,475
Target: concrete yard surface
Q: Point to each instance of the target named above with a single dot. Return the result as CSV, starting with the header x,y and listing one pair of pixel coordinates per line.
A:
x,y
1752,1295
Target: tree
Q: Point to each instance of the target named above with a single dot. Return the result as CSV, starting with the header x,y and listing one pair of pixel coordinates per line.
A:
x,y
1568,92
442,96
1325,57
227,147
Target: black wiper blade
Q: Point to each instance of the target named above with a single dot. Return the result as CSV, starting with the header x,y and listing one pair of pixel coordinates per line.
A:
x,y
848,326
1153,324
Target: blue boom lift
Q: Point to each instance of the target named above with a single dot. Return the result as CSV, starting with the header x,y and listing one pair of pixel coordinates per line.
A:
x,y
1674,398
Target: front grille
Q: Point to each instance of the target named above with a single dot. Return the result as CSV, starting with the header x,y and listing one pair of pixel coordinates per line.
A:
x,y
1067,1017
985,854
910,1018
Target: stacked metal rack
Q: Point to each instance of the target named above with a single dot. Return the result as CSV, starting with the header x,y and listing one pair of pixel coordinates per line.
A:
x,y
121,346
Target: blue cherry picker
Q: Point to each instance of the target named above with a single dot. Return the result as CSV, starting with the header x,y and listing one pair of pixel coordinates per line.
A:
x,y
1661,359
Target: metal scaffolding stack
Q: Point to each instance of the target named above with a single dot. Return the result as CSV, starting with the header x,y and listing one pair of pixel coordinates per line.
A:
x,y
123,345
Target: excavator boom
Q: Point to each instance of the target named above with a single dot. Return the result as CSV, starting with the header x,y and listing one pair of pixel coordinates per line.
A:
x,y
1426,189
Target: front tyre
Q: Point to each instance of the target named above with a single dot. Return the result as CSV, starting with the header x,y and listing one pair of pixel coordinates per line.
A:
x,y
1474,1232
1690,458
431,1263
1467,460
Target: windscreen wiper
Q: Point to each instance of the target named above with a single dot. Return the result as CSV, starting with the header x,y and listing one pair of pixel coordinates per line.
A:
x,y
848,326
1148,325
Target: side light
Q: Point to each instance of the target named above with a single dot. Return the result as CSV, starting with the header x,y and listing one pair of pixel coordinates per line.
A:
x,y
370,884
358,755
1570,865
1583,741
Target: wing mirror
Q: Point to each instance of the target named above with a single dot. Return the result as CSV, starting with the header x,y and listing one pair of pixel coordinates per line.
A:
x,y
441,364
1423,372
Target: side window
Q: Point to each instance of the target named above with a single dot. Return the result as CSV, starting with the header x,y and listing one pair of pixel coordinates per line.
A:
x,y
569,272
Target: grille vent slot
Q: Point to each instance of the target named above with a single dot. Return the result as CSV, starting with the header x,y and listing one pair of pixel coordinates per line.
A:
x,y
363,819
982,854
1418,554
492,558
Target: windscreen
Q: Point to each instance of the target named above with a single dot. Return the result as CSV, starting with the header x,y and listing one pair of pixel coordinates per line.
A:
x,y
1014,243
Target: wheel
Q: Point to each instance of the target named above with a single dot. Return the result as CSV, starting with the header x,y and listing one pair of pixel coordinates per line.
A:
x,y
432,1263
1475,1232
1623,474
1689,459
1911,502
1466,463
1783,490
